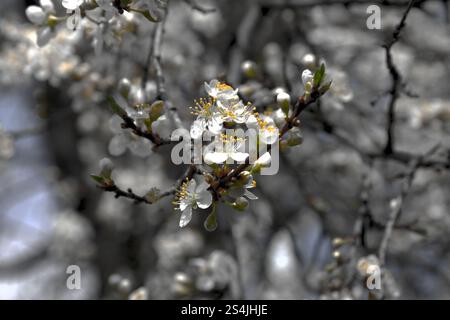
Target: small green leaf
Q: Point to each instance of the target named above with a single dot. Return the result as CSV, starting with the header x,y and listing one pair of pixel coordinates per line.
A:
x,y
319,75
116,108
211,221
156,110
146,14
98,179
325,88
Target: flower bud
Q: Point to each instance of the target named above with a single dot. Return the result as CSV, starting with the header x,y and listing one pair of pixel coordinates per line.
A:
x,y
35,14
244,177
309,60
307,76
308,87
284,100
106,167
249,69
262,162
124,286
137,96
124,87
139,294
240,204
295,137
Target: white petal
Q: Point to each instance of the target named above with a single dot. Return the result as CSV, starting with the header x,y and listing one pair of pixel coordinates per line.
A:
x,y
192,186
239,156
211,88
216,157
35,14
71,4
269,137
250,195
186,217
184,203
202,187
215,125
264,160
251,122
197,128
204,199
47,5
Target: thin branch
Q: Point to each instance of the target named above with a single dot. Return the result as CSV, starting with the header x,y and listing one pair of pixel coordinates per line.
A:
x,y
156,50
118,192
128,123
396,78
396,206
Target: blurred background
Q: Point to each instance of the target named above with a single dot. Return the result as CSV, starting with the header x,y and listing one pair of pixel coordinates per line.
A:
x,y
316,223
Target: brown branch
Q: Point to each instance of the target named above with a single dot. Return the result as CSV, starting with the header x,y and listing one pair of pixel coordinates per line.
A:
x,y
396,209
118,192
128,123
397,83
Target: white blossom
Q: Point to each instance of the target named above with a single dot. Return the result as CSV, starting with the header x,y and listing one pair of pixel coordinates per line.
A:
x,y
227,148
189,197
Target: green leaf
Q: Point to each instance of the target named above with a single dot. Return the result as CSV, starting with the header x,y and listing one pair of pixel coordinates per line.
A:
x,y
146,14
98,179
116,108
211,221
325,88
156,110
319,75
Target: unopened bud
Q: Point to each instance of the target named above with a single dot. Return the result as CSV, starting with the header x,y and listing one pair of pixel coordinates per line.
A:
x,y
106,167
245,177
309,60
295,137
284,101
308,87
139,294
35,14
124,87
262,162
249,69
240,204
307,76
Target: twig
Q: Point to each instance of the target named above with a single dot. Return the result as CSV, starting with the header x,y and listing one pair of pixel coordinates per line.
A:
x,y
118,192
156,50
397,83
128,123
396,207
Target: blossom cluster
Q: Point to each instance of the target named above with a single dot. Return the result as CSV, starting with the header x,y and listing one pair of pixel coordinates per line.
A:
x,y
106,20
